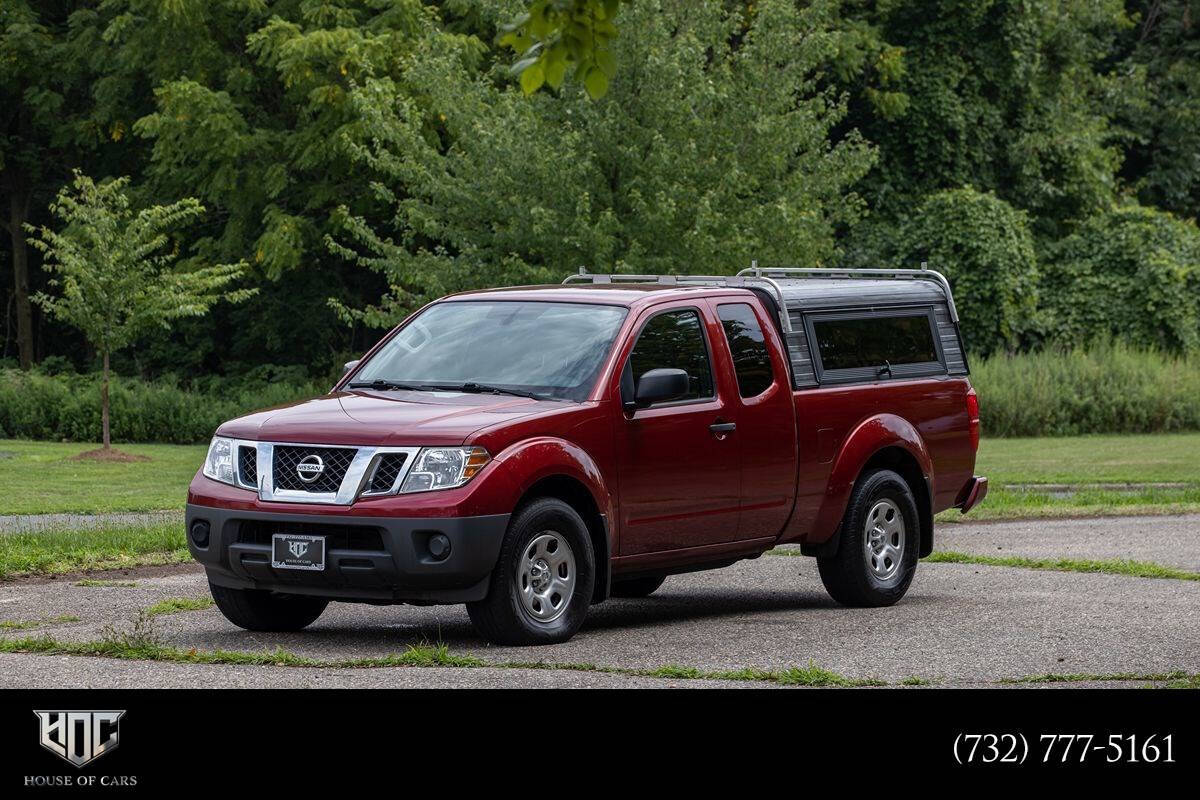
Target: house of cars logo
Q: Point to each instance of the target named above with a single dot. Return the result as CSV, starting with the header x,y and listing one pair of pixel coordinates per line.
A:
x,y
310,468
298,548
79,737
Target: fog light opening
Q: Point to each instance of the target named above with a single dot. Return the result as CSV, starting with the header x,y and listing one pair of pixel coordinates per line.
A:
x,y
200,533
439,546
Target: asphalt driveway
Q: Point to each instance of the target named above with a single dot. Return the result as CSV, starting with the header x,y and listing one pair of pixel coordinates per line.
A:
x,y
961,624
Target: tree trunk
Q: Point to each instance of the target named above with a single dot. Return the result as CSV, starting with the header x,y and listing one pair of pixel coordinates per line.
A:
x,y
104,404
18,208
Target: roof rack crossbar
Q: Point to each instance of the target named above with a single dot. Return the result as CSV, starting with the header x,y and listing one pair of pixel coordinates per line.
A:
x,y
737,281
824,272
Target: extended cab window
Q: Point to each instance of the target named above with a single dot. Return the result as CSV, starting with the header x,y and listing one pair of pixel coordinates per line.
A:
x,y
860,346
751,360
675,340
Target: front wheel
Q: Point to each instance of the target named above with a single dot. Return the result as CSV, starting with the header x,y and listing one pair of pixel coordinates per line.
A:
x,y
877,554
258,610
542,584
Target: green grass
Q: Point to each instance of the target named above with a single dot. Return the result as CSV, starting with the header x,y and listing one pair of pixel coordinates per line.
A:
x,y
40,478
1003,503
92,583
1136,569
1082,460
1148,458
29,624
174,605
115,547
1116,566
1175,680
142,643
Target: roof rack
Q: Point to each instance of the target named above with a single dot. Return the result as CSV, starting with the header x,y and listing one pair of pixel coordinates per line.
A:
x,y
739,280
923,273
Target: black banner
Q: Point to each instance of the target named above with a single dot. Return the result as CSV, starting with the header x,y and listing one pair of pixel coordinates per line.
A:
x,y
119,742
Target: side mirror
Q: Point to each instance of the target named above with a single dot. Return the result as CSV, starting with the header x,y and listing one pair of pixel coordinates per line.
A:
x,y
660,385
349,365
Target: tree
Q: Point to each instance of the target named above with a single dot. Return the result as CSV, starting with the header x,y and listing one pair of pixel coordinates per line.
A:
x,y
1131,274
984,247
1010,96
254,117
46,127
555,36
1159,107
713,149
113,268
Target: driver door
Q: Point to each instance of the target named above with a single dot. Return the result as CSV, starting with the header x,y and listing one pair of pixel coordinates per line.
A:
x,y
680,477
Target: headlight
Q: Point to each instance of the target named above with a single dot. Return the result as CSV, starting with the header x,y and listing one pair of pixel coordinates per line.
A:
x,y
218,464
444,468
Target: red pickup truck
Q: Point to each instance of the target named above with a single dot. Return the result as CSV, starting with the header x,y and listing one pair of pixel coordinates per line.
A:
x,y
531,451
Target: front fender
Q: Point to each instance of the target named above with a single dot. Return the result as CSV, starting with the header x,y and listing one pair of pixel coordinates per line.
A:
x,y
871,436
517,468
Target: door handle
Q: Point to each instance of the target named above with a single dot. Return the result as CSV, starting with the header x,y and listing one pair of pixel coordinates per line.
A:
x,y
721,428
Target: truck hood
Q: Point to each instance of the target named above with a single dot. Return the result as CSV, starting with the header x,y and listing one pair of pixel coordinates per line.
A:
x,y
398,418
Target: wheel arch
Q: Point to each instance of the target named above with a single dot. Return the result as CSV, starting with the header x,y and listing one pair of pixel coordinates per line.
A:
x,y
884,441
574,493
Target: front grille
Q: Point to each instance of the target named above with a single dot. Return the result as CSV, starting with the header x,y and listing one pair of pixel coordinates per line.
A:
x,y
336,460
386,473
248,465
337,537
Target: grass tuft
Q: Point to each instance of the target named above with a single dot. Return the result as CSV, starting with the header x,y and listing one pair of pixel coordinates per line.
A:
x,y
1118,566
97,584
1175,679
22,625
175,605
915,681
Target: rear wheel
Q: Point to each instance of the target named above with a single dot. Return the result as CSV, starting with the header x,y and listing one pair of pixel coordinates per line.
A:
x,y
637,587
877,554
258,610
542,584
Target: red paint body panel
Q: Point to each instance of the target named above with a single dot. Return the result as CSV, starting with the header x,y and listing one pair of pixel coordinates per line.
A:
x,y
672,492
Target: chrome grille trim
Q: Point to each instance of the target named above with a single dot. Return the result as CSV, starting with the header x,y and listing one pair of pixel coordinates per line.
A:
x,y
353,485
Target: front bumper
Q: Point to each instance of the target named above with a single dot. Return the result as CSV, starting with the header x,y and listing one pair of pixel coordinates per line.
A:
x,y
372,559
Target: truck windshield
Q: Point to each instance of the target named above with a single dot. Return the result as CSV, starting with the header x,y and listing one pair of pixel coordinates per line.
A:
x,y
550,350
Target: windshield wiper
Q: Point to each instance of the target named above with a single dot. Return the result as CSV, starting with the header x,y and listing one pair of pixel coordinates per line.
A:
x,y
381,384
483,388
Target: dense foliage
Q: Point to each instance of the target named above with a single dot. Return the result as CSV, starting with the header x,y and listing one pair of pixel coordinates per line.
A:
x,y
983,245
363,155
717,155
1108,388
67,407
1131,273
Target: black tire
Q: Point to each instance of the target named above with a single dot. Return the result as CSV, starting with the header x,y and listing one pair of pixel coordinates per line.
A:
x,y
637,587
503,617
259,610
852,576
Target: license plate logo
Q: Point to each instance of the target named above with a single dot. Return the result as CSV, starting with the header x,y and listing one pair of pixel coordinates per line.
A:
x,y
296,551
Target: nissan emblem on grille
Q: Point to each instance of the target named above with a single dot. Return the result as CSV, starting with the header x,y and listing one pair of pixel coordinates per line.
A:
x,y
310,468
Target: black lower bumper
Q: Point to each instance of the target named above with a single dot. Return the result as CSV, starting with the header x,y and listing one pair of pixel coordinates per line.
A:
x,y
371,559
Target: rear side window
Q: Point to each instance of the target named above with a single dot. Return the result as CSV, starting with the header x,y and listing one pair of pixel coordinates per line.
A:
x,y
879,345
675,340
751,360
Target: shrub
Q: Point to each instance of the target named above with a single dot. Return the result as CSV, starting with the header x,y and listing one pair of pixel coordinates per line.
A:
x,y
1109,388
983,245
1132,273
36,406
